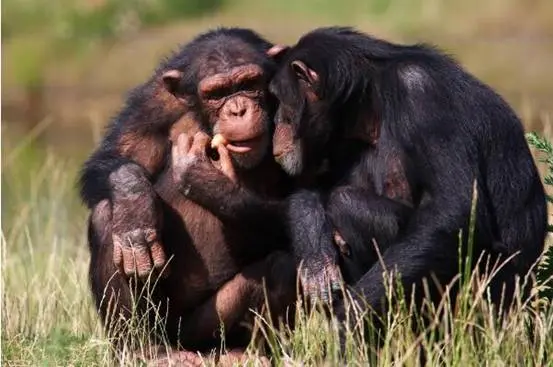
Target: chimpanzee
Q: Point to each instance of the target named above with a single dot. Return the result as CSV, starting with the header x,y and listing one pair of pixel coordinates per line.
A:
x,y
221,254
416,112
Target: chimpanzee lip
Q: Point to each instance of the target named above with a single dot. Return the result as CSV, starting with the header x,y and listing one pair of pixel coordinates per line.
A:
x,y
243,146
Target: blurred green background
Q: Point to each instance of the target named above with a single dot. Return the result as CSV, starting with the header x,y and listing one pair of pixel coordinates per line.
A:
x,y
66,65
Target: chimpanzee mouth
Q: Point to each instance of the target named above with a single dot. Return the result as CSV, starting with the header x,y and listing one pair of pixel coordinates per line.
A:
x,y
244,146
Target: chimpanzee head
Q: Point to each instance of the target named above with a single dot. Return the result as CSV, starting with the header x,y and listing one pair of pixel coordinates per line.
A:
x,y
319,86
222,76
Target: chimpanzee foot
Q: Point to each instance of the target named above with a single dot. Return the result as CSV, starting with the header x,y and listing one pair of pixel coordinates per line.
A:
x,y
184,358
238,357
177,358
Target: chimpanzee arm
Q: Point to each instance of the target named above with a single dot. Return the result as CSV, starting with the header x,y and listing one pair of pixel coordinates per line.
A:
x,y
314,250
94,180
428,249
121,170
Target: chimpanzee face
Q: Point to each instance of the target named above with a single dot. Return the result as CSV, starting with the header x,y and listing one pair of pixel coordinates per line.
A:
x,y
229,94
302,129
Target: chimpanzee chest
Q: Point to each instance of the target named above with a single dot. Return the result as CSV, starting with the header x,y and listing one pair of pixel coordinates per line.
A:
x,y
204,253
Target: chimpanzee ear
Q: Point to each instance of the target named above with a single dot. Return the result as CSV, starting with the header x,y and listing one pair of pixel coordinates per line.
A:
x,y
277,52
171,80
304,72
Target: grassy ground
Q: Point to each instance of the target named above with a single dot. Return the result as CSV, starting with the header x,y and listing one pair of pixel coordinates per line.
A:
x,y
47,317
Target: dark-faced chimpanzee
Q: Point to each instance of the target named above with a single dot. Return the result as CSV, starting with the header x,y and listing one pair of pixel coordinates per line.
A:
x,y
143,213
424,127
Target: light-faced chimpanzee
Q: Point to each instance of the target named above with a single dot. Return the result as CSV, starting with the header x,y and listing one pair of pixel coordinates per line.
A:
x,y
141,199
415,111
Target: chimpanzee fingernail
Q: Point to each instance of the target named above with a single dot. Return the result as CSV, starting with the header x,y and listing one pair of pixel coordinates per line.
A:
x,y
150,235
181,139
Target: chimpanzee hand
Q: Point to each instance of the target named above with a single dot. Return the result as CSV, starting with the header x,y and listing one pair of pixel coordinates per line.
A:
x,y
341,243
314,246
136,247
189,158
324,275
320,277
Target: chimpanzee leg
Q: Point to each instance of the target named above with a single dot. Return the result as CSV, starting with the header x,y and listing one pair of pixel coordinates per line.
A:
x,y
364,219
274,276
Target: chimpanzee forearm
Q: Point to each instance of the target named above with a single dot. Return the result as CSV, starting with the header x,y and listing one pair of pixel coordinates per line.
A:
x,y
94,181
309,226
121,172
236,205
311,236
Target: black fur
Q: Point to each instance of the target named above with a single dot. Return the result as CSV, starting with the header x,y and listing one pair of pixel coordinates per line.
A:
x,y
450,130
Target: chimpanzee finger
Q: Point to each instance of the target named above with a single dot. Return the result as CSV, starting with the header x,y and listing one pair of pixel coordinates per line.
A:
x,y
184,142
128,260
143,261
327,286
117,252
310,284
341,243
159,258
335,277
136,254
199,144
156,250
226,163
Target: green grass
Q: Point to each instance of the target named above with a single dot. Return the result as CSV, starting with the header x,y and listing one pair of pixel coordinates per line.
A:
x,y
48,318
46,313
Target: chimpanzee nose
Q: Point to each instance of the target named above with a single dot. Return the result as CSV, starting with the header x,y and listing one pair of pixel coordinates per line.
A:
x,y
237,108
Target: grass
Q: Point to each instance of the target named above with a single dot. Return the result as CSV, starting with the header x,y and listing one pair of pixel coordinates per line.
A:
x,y
48,318
46,313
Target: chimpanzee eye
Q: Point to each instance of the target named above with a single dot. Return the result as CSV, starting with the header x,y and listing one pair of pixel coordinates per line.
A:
x,y
218,93
249,85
